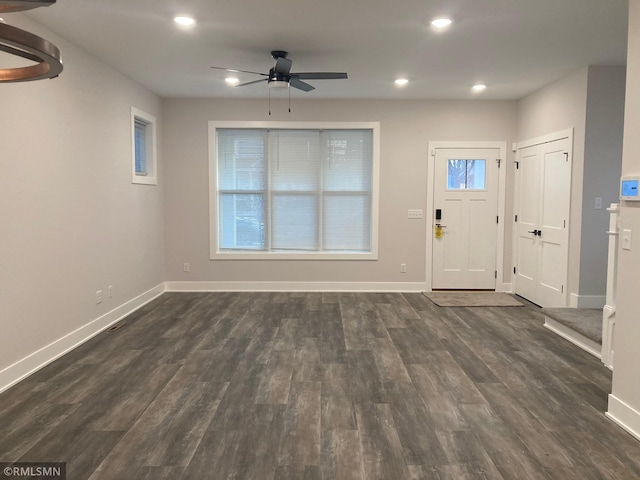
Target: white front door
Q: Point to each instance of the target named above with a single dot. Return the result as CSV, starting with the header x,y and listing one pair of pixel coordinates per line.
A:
x,y
466,200
543,186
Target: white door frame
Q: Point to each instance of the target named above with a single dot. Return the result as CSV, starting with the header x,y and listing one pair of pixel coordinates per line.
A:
x,y
551,137
502,185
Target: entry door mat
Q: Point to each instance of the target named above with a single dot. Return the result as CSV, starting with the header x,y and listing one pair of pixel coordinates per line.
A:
x,y
472,299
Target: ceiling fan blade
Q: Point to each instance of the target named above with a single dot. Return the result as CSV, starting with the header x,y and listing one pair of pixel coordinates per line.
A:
x,y
319,75
283,65
299,84
250,83
240,71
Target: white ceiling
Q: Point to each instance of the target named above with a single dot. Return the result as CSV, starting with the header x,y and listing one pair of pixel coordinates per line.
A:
x,y
514,46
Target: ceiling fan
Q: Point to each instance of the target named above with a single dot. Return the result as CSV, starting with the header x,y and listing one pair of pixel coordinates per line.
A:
x,y
280,74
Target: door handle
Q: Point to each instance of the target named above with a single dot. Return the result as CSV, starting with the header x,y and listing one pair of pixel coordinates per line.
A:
x,y
535,232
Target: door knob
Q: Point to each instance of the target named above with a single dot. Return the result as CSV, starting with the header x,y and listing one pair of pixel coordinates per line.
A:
x,y
535,232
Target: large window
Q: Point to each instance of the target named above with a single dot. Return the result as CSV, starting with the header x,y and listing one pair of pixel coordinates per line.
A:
x,y
286,192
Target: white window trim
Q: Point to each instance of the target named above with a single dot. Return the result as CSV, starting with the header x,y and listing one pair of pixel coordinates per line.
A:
x,y
216,254
152,154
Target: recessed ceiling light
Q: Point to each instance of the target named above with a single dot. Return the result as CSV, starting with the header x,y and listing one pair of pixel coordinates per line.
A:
x,y
479,87
401,82
231,80
184,21
441,22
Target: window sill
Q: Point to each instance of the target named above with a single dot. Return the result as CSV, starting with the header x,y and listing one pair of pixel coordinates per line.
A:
x,y
144,180
244,255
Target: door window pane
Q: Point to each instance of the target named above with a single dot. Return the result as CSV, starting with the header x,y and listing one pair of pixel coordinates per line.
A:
x,y
466,174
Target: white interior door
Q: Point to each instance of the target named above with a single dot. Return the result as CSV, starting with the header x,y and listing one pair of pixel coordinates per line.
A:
x,y
543,185
528,212
466,197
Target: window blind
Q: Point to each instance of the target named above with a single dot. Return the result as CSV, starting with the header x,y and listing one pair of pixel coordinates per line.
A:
x,y
140,138
294,190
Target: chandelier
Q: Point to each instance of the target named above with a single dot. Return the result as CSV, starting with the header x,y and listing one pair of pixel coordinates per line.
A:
x,y
28,46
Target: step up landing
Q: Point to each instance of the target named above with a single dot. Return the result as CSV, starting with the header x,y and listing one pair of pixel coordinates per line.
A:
x,y
580,326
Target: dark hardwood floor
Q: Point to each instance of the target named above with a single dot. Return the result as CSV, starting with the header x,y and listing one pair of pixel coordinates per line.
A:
x,y
263,386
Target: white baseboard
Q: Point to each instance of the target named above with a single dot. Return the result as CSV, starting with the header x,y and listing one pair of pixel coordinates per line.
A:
x,y
587,301
295,287
574,337
39,359
608,327
505,288
624,415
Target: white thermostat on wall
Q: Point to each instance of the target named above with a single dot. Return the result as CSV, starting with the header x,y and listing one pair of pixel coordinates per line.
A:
x,y
629,188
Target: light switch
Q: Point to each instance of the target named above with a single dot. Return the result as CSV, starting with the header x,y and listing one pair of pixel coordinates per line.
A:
x,y
414,214
626,239
598,203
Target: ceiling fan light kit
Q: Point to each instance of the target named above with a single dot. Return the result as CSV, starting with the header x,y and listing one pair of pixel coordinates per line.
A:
x,y
19,43
275,83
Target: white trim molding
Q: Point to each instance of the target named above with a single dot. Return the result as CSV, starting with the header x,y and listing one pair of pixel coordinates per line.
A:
x,y
550,137
624,415
43,357
374,287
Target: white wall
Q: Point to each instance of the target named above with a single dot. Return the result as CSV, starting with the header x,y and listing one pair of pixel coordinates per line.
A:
x,y
556,107
602,166
624,402
72,222
406,129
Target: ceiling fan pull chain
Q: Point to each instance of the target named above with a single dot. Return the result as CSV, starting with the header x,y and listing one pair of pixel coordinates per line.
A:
x,y
289,90
269,102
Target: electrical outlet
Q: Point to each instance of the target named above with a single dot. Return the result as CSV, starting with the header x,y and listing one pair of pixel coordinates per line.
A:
x,y
403,268
185,267
98,297
414,214
110,291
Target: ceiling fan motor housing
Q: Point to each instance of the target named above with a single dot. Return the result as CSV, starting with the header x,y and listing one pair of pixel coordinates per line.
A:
x,y
276,54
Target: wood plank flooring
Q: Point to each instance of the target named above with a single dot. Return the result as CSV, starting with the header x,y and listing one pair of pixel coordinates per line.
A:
x,y
310,386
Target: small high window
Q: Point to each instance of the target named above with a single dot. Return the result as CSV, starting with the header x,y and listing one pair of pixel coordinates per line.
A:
x,y
143,139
